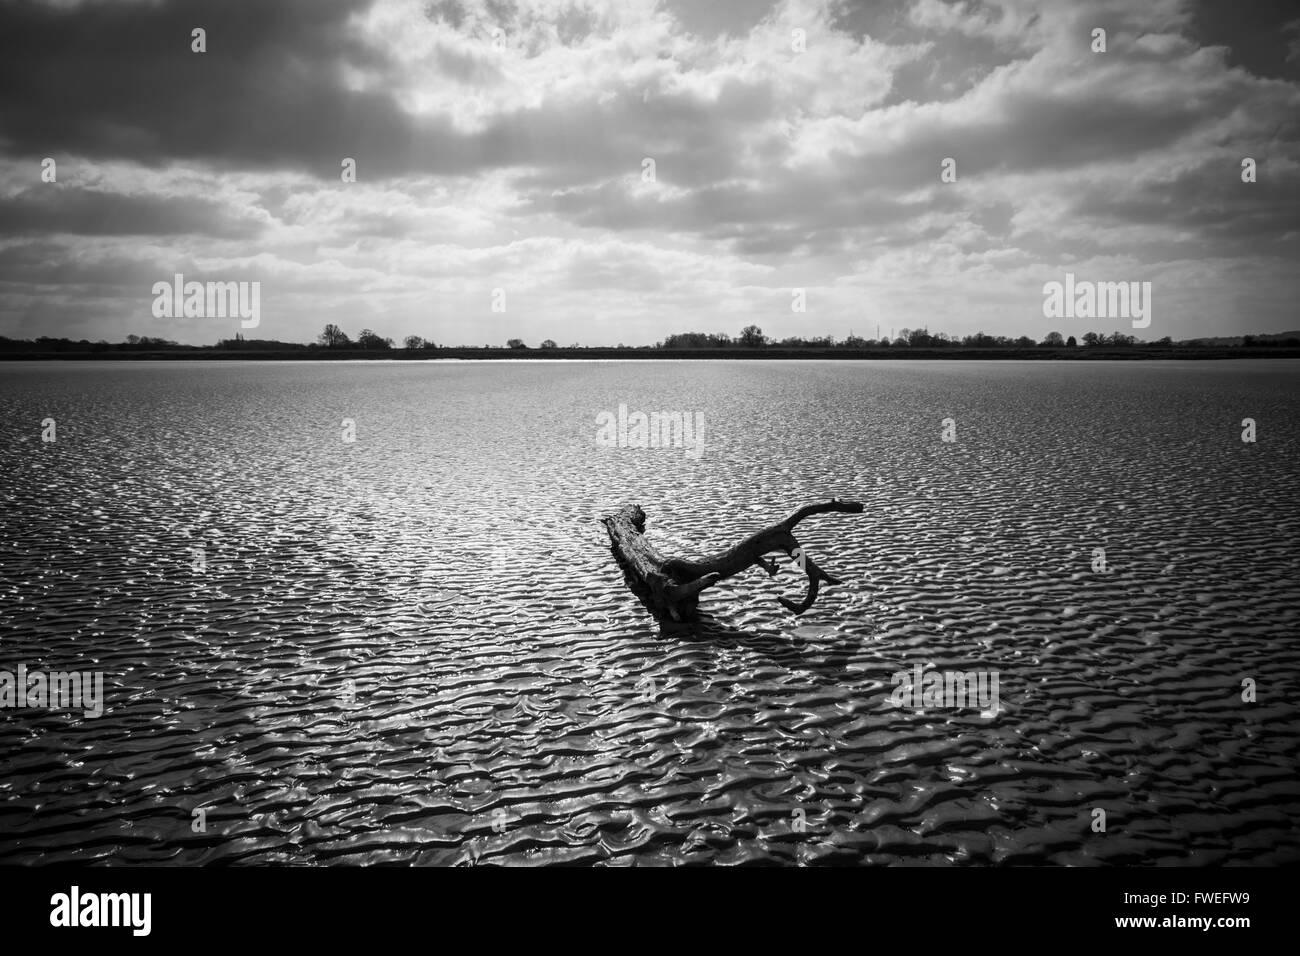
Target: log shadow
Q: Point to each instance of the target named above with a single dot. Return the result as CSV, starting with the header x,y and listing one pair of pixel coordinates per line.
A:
x,y
825,666
794,654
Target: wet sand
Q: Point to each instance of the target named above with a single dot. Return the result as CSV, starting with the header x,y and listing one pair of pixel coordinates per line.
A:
x,y
417,648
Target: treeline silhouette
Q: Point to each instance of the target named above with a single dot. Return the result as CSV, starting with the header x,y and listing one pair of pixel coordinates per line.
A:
x,y
752,337
335,340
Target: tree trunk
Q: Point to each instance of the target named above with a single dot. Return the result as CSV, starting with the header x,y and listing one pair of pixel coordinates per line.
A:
x,y
674,584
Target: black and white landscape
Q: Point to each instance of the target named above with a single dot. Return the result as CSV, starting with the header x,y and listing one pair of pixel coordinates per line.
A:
x,y
297,569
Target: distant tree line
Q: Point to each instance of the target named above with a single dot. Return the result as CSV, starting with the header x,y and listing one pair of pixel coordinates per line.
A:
x,y
332,337
751,336
45,343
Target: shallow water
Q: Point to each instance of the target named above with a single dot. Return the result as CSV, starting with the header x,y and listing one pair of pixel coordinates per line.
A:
x,y
417,648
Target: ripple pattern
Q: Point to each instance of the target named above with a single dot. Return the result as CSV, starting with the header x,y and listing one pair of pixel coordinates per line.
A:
x,y
416,648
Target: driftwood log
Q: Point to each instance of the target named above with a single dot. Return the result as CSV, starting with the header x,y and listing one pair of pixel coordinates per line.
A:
x,y
674,584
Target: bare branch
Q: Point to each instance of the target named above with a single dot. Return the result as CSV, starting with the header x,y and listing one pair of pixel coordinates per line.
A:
x,y
675,583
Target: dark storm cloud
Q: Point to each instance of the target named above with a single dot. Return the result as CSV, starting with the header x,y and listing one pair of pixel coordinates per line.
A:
x,y
1261,37
1209,207
111,81
119,81
58,264
1036,131
66,208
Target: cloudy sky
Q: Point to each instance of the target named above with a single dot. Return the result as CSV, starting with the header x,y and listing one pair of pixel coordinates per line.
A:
x,y
502,145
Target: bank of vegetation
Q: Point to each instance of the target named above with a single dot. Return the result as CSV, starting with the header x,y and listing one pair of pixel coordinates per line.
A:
x,y
751,343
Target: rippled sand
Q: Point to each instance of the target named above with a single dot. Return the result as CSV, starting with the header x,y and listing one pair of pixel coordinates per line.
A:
x,y
417,648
